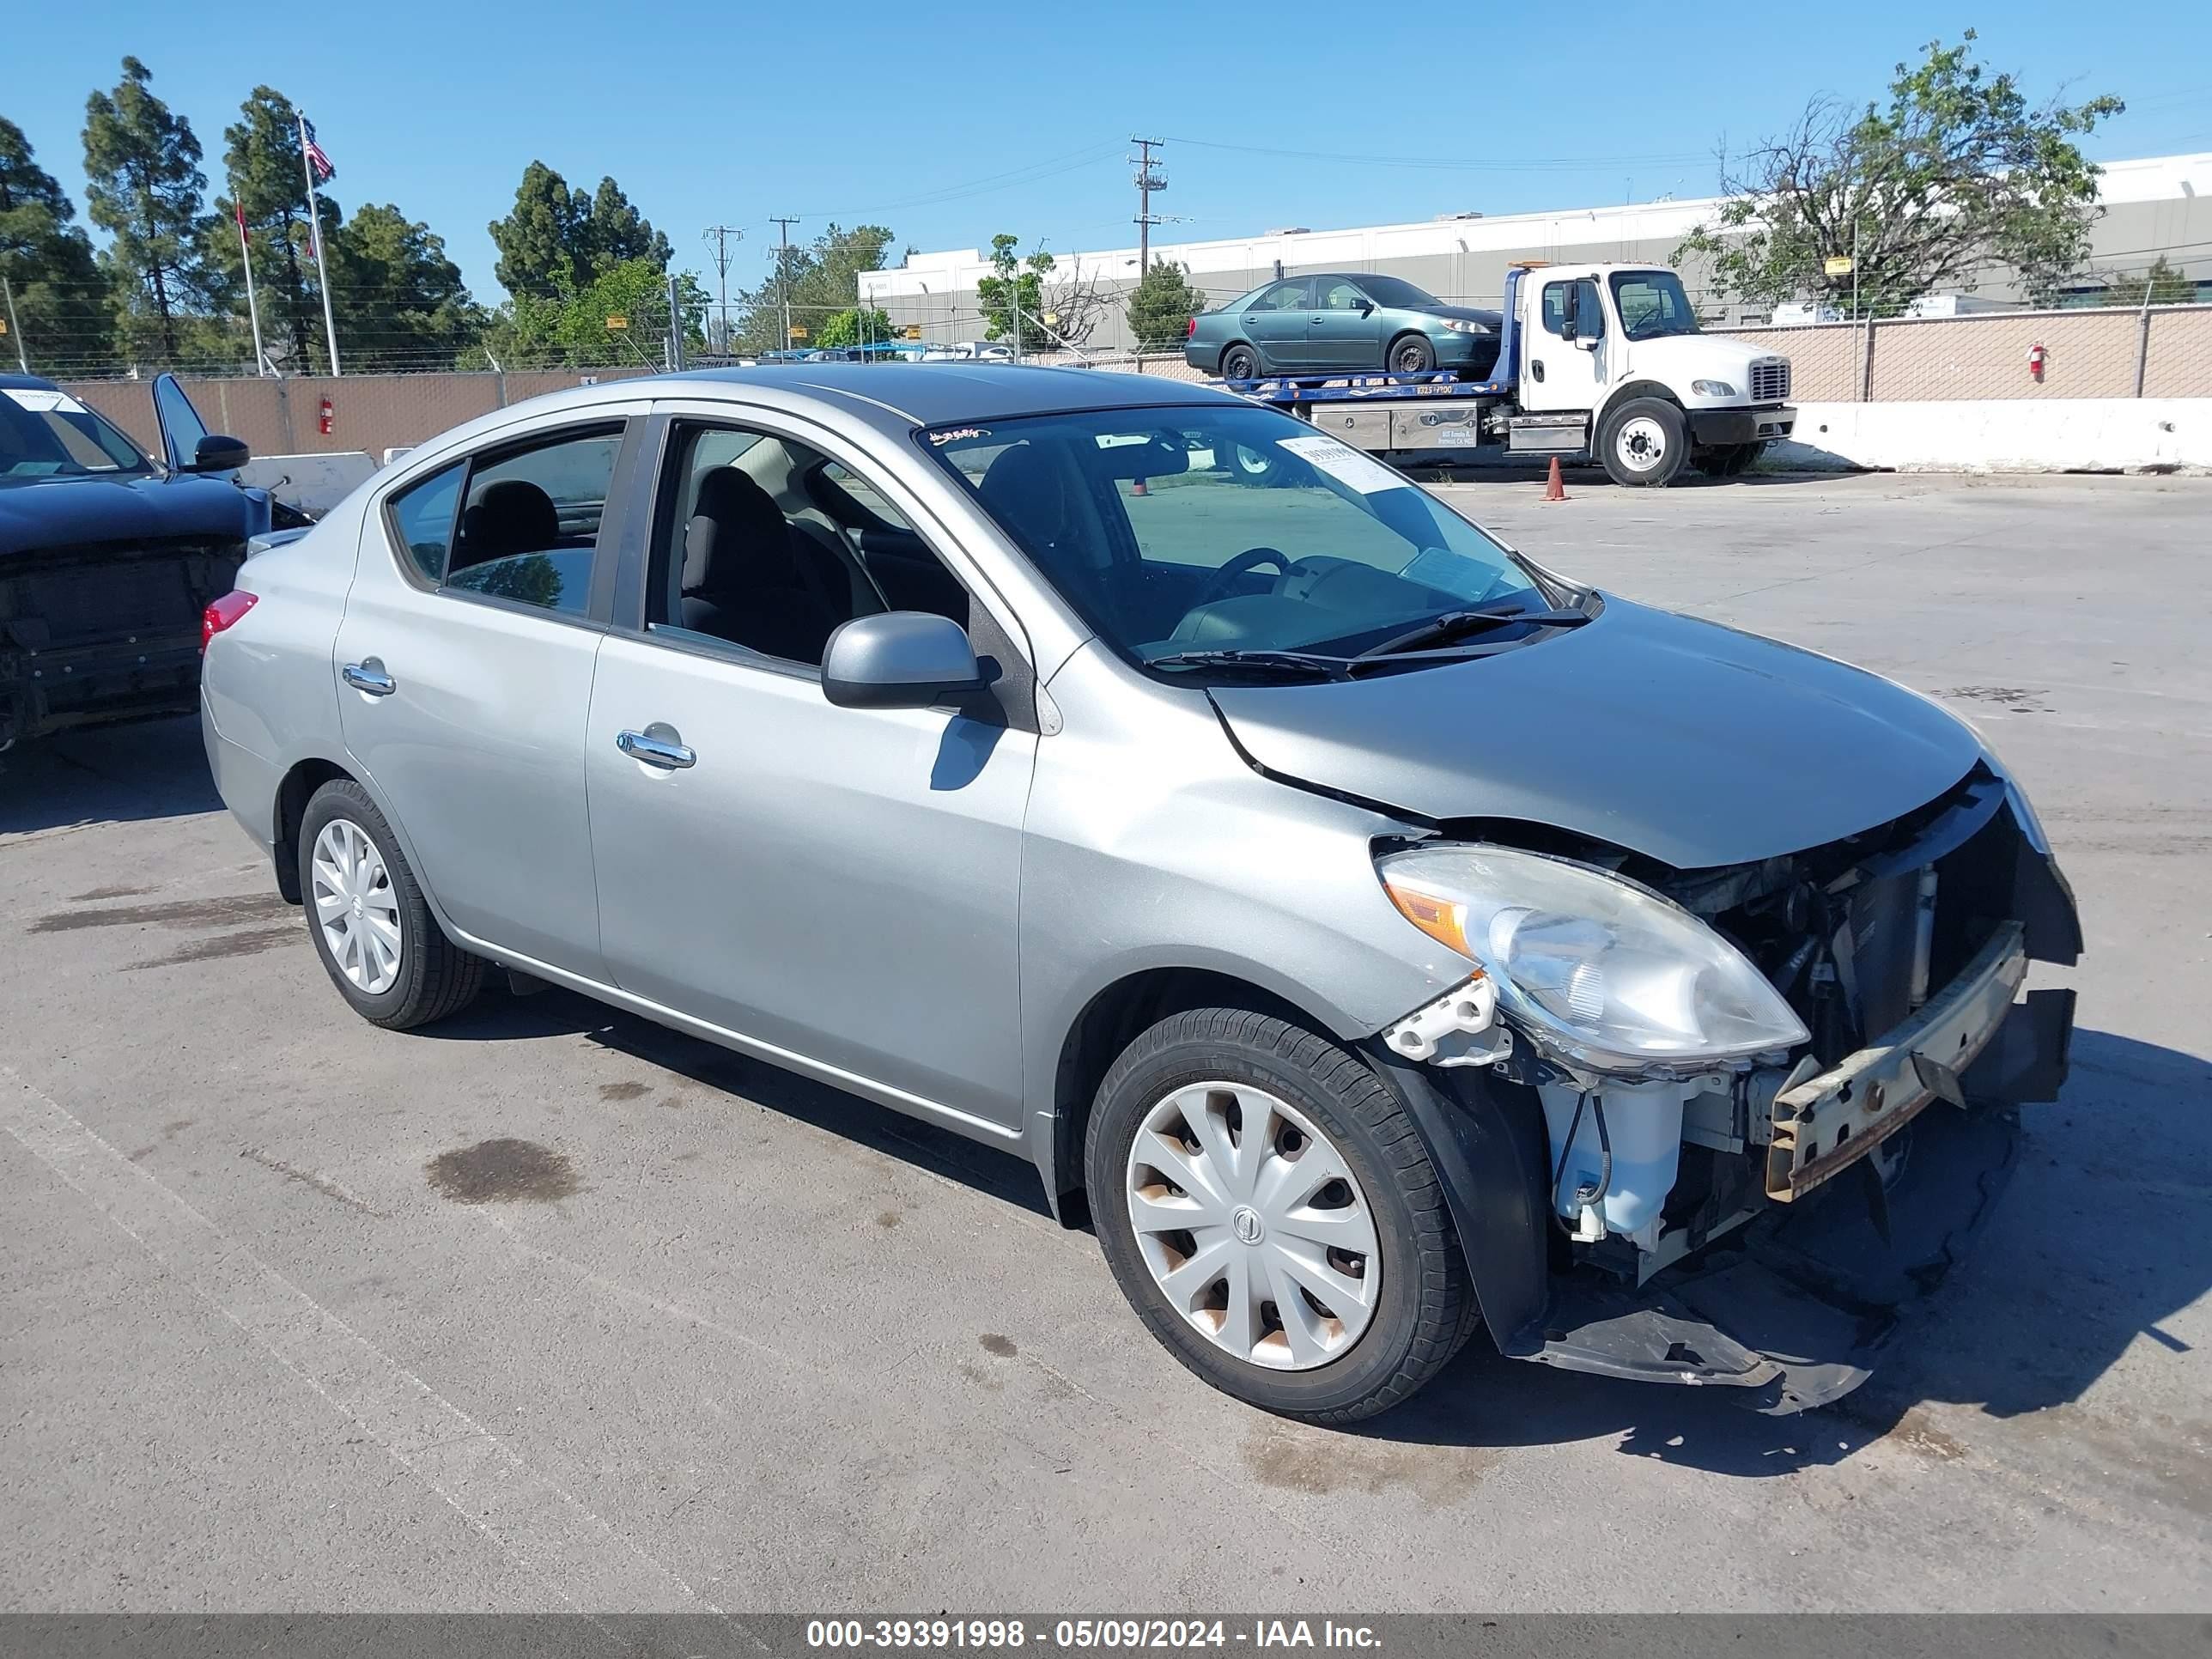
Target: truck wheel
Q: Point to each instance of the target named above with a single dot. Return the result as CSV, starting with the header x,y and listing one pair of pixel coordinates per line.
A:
x,y
1644,441
370,923
1270,1212
1411,354
1240,363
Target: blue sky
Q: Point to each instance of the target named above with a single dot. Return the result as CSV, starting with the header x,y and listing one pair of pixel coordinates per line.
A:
x,y
951,123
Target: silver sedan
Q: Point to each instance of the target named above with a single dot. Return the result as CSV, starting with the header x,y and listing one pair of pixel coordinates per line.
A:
x,y
1375,935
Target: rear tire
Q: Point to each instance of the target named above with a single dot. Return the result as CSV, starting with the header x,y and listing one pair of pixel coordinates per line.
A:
x,y
1644,441
1240,362
1379,1309
355,882
1410,353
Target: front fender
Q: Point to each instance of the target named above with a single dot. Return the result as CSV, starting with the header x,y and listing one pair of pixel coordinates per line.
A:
x,y
1486,1140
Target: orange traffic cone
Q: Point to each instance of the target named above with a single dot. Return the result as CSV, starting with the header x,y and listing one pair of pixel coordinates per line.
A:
x,y
1554,490
1136,487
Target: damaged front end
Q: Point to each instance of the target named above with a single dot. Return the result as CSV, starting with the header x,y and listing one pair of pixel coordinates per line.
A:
x,y
1748,1186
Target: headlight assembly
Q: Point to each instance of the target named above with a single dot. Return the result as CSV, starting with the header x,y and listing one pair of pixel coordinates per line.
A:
x,y
1712,388
1597,971
1463,325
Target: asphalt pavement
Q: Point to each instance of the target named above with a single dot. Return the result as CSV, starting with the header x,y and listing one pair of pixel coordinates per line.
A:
x,y
548,1307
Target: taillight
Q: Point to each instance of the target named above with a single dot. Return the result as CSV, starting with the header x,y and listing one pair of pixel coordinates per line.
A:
x,y
1190,330
222,613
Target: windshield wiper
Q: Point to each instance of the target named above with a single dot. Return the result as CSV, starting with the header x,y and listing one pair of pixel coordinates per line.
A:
x,y
1457,624
1257,662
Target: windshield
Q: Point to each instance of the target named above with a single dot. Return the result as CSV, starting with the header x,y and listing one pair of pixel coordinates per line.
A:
x,y
1398,294
1204,528
1652,303
46,434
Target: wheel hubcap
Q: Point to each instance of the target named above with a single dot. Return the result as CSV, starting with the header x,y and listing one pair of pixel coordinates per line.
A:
x,y
1642,444
355,906
1253,1226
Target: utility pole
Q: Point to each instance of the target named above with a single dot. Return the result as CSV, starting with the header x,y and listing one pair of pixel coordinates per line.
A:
x,y
1148,180
720,236
783,223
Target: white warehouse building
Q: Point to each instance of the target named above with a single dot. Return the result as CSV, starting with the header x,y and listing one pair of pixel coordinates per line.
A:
x,y
2156,204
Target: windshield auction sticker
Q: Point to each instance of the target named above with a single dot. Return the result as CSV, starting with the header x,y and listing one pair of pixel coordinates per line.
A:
x,y
1346,465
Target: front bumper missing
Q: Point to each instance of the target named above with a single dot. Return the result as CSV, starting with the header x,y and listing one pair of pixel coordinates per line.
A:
x,y
1795,1308
1826,1123
1795,1311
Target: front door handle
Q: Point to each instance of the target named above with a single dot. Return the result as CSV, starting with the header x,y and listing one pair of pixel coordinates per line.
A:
x,y
370,677
657,745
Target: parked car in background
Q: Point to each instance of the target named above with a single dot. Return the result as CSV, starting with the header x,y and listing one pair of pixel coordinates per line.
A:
x,y
1377,936
970,351
1333,321
108,556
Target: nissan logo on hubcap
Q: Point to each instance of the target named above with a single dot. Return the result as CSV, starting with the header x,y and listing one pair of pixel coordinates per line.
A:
x,y
1247,1226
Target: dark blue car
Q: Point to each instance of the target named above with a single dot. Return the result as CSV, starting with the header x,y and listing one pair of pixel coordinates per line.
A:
x,y
108,556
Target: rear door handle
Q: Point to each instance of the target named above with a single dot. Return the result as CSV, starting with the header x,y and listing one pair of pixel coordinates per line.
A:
x,y
657,745
370,677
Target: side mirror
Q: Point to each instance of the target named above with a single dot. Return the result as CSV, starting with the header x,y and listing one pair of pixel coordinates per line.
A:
x,y
898,659
216,453
1364,307
1582,342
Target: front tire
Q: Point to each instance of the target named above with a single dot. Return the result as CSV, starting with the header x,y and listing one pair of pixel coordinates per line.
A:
x,y
369,921
1271,1213
1240,363
1644,441
1411,354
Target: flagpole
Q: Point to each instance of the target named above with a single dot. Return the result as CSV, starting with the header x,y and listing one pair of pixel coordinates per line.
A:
x,y
315,240
246,257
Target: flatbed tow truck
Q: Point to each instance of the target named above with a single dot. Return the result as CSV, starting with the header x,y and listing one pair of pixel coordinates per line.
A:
x,y
1601,361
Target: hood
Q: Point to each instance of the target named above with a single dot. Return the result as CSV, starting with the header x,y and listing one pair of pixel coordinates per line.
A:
x,y
1678,359
1687,742
55,513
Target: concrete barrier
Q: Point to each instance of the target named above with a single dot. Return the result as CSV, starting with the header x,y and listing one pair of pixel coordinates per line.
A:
x,y
2082,435
313,483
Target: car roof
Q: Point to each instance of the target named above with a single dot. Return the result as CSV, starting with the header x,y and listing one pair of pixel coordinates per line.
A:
x,y
932,394
26,383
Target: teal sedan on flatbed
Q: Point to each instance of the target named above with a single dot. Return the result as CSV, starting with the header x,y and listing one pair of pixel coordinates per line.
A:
x,y
1333,322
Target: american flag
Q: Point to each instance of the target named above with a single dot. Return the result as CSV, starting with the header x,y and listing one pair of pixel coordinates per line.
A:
x,y
321,163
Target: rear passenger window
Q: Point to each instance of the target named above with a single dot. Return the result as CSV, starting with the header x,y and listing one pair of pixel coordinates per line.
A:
x,y
519,524
425,517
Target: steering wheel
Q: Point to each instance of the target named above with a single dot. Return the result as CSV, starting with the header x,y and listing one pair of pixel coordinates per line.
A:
x,y
1249,560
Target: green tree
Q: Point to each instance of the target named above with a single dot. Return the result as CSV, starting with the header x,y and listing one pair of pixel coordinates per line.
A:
x,y
1162,305
1014,283
850,328
267,180
817,279
618,318
555,235
400,301
61,295
1957,172
2161,285
143,165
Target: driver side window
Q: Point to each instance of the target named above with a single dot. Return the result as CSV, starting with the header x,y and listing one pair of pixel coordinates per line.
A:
x,y
1283,296
1589,310
1341,296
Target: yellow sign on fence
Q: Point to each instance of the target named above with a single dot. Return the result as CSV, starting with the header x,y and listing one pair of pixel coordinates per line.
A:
x,y
617,321
1838,264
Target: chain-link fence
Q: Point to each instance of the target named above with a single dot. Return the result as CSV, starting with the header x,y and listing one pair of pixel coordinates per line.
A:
x,y
2159,350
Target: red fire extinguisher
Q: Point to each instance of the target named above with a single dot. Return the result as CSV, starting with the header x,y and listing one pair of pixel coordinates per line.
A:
x,y
2035,356
323,420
